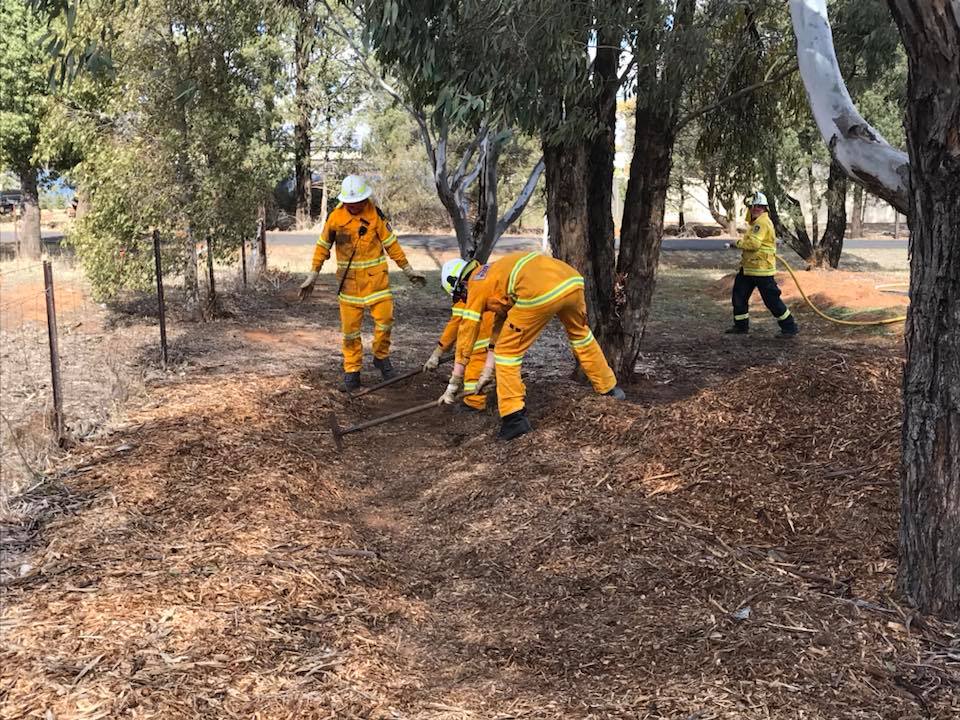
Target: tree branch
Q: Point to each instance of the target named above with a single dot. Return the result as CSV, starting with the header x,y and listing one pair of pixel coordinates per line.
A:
x,y
694,114
860,150
523,198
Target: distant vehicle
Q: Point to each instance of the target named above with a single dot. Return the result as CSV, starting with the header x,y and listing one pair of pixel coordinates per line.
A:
x,y
10,200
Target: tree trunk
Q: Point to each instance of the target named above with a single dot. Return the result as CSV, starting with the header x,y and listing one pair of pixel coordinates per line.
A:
x,y
31,241
567,215
303,175
681,222
856,222
929,571
896,225
830,244
862,152
599,270
725,220
191,285
814,202
794,231
641,235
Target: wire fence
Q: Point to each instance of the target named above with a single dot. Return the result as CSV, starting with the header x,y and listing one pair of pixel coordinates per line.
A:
x,y
64,369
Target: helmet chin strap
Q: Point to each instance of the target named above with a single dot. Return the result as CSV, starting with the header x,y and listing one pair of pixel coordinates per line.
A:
x,y
460,285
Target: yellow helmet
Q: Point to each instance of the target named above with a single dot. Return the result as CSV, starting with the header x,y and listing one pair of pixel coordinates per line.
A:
x,y
450,273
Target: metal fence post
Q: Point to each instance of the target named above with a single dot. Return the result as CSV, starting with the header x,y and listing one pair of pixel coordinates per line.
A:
x,y
54,351
160,303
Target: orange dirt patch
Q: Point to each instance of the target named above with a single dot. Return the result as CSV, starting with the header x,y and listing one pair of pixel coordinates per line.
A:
x,y
22,302
827,289
303,338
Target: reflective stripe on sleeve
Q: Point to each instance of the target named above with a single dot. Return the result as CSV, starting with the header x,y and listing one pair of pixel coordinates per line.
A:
x,y
481,344
391,239
470,315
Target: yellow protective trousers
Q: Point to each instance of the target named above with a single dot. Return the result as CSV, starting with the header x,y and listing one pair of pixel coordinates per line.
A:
x,y
472,373
351,318
520,330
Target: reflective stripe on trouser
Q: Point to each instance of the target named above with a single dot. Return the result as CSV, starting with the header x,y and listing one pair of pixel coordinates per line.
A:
x,y
521,329
470,376
351,319
743,288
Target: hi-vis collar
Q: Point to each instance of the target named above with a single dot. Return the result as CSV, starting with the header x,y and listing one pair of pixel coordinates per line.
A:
x,y
460,286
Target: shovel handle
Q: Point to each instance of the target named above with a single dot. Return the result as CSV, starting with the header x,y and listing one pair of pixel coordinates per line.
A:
x,y
391,381
388,418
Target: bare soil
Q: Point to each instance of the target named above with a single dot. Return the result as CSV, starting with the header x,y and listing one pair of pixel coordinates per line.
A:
x,y
853,292
722,545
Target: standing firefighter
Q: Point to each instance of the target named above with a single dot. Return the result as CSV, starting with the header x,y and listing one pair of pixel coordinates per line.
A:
x,y
361,234
449,277
524,291
758,265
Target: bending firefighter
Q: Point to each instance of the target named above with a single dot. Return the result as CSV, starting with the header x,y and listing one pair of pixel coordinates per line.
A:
x,y
449,276
524,291
758,265
363,239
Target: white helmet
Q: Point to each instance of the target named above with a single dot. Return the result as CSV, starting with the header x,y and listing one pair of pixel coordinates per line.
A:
x,y
759,199
354,189
450,273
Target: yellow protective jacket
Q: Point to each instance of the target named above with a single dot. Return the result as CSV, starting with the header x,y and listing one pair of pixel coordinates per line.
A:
x,y
361,241
759,246
522,279
448,338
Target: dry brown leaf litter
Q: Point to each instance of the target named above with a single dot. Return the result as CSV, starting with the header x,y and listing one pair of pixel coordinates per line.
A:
x,y
727,552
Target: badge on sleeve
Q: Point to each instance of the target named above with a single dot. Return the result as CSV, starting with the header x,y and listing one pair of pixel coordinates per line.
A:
x,y
481,273
756,228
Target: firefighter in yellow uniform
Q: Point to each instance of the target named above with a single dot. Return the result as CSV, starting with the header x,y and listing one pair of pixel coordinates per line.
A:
x,y
363,239
524,291
449,276
758,265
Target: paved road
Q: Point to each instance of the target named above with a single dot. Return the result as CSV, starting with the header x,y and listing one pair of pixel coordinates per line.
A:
x,y
444,242
449,242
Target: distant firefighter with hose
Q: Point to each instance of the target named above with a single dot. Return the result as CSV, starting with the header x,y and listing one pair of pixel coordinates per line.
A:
x,y
363,238
758,266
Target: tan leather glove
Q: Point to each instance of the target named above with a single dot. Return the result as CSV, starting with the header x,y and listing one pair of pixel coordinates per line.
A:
x,y
307,288
414,277
454,386
433,362
486,379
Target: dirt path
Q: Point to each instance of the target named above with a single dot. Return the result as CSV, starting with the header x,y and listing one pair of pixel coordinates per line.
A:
x,y
722,546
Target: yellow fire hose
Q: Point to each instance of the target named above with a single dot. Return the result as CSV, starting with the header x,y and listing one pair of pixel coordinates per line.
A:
x,y
859,323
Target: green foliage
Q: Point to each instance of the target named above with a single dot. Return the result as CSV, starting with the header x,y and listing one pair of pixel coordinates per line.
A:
x,y
23,85
181,140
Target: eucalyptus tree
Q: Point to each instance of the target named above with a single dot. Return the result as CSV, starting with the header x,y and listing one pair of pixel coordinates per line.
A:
x,y
924,183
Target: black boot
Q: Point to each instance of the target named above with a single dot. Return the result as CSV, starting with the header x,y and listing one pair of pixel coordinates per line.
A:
x,y
385,368
616,393
788,329
736,330
514,425
351,381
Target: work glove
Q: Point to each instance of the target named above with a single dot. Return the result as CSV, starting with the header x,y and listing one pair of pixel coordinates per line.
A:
x,y
433,362
414,277
454,385
307,288
485,380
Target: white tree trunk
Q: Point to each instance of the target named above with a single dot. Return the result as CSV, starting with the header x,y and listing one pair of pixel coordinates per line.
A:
x,y
860,150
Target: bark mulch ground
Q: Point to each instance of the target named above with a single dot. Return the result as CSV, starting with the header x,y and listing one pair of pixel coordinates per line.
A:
x,y
722,546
